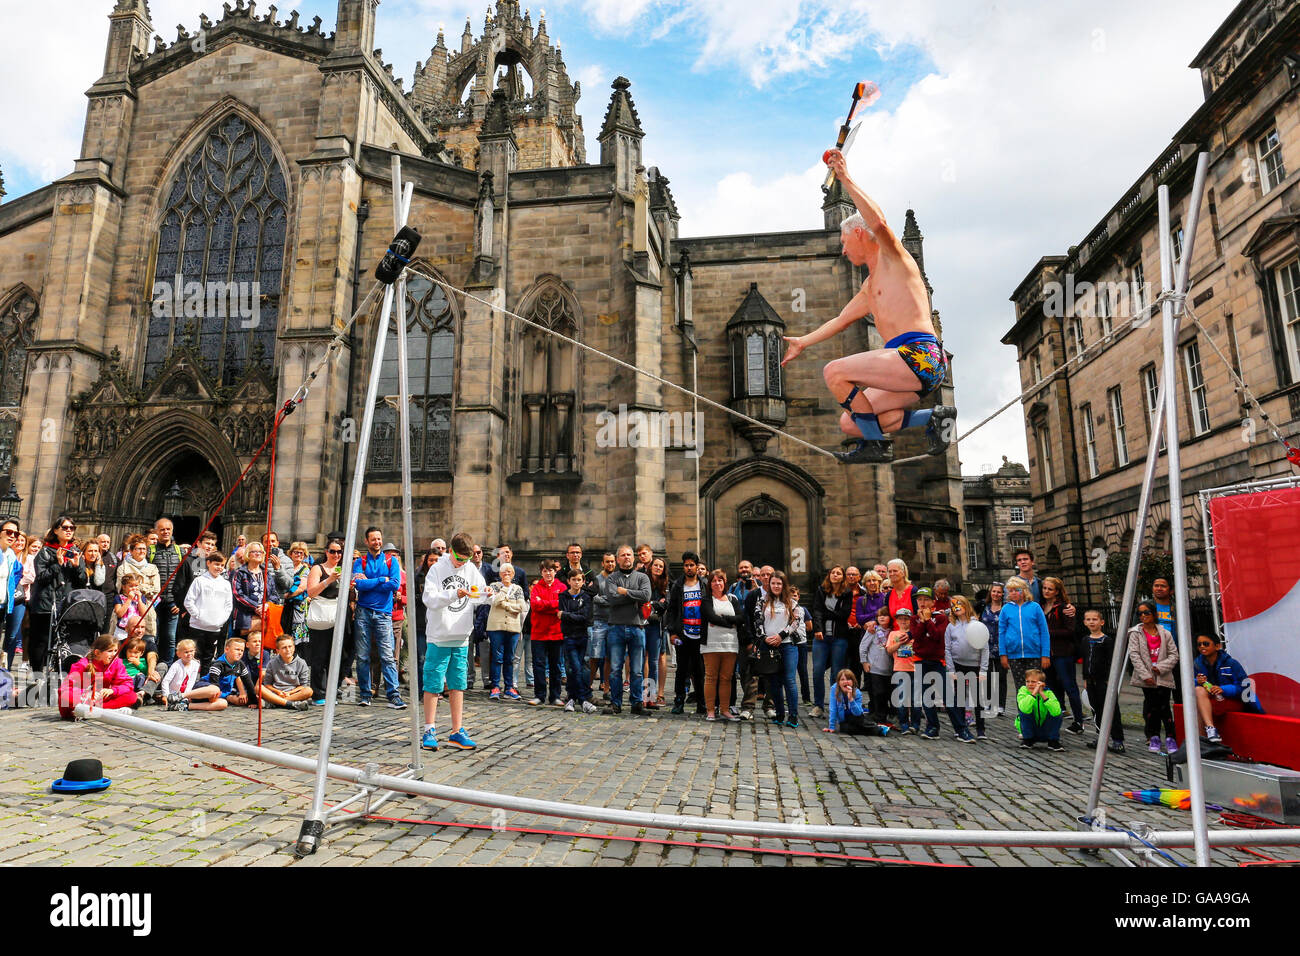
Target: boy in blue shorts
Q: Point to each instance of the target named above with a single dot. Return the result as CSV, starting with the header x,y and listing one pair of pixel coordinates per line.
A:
x,y
453,589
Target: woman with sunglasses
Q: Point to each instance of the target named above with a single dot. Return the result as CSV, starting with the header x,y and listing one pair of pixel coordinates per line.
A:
x,y
59,569
323,597
1154,655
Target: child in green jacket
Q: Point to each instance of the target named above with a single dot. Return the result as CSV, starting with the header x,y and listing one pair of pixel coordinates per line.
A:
x,y
1040,712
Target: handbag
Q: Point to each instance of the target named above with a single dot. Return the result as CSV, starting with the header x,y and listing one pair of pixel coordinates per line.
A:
x,y
322,612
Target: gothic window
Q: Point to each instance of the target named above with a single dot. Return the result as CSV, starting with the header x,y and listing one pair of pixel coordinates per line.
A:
x,y
17,330
220,256
549,390
430,349
16,333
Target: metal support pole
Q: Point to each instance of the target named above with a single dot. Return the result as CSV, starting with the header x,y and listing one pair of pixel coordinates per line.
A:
x,y
924,836
415,704
1182,614
1120,657
313,824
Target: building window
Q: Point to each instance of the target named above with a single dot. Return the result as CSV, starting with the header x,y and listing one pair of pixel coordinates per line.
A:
x,y
1104,310
1268,149
430,350
222,232
1176,244
1044,436
1076,334
1288,294
1138,296
549,384
1151,399
973,555
1017,514
1019,542
1036,367
1118,431
1090,440
1196,388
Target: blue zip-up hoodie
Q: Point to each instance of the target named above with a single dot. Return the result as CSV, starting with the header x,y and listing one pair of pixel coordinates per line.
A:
x,y
839,711
1231,677
382,579
1022,631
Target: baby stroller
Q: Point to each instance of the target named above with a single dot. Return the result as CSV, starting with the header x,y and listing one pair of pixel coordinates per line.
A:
x,y
79,620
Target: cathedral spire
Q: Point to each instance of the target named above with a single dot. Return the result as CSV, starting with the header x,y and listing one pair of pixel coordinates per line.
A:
x,y
620,136
130,27
914,243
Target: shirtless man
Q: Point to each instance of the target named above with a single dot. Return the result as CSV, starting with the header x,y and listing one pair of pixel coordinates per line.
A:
x,y
877,388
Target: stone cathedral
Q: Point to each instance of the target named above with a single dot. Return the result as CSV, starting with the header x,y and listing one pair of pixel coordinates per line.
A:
x,y
253,156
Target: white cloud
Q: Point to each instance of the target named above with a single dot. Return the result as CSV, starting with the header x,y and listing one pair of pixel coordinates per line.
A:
x,y
1034,120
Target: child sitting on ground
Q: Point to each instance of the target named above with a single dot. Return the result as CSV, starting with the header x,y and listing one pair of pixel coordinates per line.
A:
x,y
230,675
255,659
846,713
99,679
181,687
287,680
1040,713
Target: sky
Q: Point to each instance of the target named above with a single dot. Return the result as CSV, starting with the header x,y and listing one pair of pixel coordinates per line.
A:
x,y
1010,127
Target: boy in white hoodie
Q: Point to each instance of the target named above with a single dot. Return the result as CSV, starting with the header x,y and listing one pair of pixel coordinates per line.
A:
x,y
452,590
209,603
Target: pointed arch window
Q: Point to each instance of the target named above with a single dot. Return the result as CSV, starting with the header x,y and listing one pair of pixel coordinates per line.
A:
x,y
17,331
549,386
430,351
220,259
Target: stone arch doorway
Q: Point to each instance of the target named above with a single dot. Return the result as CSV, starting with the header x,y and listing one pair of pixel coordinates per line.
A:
x,y
174,451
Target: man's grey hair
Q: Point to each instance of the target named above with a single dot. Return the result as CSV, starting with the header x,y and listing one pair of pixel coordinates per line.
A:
x,y
854,221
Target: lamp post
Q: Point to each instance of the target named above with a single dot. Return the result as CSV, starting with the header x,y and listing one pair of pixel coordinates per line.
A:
x,y
10,504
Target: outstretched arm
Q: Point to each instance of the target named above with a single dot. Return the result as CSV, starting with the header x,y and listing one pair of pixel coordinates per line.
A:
x,y
858,308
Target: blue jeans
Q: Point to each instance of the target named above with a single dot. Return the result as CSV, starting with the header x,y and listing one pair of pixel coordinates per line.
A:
x,y
14,628
1049,729
377,626
934,680
503,658
653,634
166,633
787,681
579,684
625,642
826,654
902,690
1063,669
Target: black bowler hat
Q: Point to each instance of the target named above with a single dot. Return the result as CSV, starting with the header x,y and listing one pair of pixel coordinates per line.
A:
x,y
82,776
333,536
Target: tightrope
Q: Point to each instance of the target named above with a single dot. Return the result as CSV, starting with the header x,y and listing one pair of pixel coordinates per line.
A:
x,y
627,365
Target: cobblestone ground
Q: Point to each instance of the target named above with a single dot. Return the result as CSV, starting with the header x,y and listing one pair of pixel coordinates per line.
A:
x,y
167,806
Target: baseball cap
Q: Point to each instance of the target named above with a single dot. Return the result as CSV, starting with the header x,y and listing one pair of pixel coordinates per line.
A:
x,y
903,612
924,592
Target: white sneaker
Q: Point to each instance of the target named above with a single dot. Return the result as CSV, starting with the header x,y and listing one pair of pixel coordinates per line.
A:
x,y
746,715
568,708
589,708
1212,735
534,701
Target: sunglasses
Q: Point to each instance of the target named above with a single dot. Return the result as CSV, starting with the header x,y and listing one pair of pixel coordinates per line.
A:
x,y
334,551
67,527
1144,612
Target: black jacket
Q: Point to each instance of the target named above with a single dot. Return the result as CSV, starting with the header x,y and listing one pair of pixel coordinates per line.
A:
x,y
54,580
839,617
575,613
1097,657
673,611
1064,631
710,616
166,561
192,567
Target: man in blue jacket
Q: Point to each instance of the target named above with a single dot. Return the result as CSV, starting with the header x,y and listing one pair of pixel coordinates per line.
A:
x,y
376,577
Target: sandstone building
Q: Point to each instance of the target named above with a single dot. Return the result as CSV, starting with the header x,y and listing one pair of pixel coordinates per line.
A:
x,y
999,510
1089,427
256,152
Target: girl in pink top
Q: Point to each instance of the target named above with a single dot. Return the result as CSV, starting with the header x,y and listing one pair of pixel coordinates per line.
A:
x,y
99,678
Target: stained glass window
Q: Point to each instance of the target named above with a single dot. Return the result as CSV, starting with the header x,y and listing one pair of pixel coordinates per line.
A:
x,y
430,348
220,260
